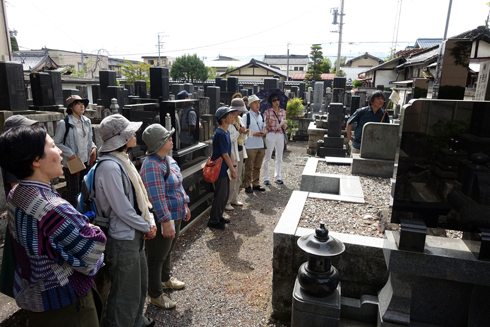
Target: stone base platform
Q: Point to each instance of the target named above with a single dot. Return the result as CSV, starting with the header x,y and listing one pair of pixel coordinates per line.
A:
x,y
372,167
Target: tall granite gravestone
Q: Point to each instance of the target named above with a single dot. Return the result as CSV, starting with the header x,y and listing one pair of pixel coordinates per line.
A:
x,y
302,88
437,280
355,103
318,97
176,88
483,87
328,98
42,90
271,83
380,88
362,98
213,93
333,142
130,88
159,84
140,89
95,93
83,91
244,92
339,82
281,85
106,78
347,100
232,84
13,95
452,69
338,95
256,89
294,89
188,87
223,85
69,92
57,88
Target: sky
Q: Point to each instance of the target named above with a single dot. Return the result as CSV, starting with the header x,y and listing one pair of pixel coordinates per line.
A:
x,y
238,29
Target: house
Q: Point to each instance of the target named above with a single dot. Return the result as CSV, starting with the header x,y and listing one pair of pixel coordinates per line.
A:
x,y
297,63
301,77
256,70
365,60
156,61
91,64
384,74
114,64
427,43
34,61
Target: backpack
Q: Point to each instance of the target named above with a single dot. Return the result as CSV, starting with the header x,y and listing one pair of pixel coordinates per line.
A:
x,y
67,128
248,118
87,202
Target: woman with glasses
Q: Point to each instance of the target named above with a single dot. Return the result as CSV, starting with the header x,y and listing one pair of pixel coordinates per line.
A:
x,y
275,119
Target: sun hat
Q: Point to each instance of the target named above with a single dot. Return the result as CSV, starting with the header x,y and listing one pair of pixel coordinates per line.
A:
x,y
222,112
17,120
183,94
116,131
253,98
155,136
239,105
245,99
72,98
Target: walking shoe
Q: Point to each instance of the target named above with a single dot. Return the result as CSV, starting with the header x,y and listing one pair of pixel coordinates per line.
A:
x,y
238,203
249,189
219,225
229,207
224,220
267,182
151,322
173,283
279,181
259,188
163,302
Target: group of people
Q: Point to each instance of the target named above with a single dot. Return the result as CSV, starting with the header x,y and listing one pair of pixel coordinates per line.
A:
x,y
67,271
245,135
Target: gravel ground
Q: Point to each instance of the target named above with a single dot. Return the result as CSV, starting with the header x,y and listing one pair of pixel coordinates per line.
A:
x,y
228,273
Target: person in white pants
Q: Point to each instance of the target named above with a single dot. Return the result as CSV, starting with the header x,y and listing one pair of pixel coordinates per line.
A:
x,y
273,118
238,135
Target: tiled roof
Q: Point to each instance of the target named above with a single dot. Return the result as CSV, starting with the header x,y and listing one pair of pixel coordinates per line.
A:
x,y
407,52
301,76
422,57
260,64
427,43
400,60
348,63
283,59
479,32
34,60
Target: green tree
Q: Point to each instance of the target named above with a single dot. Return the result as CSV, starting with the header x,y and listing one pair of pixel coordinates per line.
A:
x,y
315,64
13,42
136,72
212,73
391,56
356,83
189,69
343,60
326,65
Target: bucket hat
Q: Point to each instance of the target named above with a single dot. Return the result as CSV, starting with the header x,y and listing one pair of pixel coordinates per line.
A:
x,y
116,131
223,111
253,98
17,120
239,105
73,98
155,136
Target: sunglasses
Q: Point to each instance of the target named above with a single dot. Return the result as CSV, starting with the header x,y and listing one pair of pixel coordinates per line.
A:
x,y
274,100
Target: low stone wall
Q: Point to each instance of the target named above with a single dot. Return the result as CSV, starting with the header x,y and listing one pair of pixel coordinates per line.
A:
x,y
362,266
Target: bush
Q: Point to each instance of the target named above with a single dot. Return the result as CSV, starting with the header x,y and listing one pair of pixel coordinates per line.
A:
x,y
294,108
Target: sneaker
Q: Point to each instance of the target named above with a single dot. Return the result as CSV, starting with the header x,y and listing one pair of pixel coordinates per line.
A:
x,y
163,302
267,182
229,207
224,220
249,189
151,322
238,203
173,283
219,225
259,188
279,181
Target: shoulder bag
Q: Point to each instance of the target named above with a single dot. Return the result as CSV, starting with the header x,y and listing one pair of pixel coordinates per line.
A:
x,y
211,169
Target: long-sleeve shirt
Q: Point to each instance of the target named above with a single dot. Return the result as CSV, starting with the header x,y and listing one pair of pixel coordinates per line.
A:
x,y
58,252
167,197
273,126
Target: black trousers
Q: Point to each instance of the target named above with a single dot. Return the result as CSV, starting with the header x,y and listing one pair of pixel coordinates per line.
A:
x,y
74,184
221,191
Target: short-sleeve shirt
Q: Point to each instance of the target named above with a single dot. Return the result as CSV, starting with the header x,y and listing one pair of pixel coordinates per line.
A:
x,y
188,118
221,145
361,117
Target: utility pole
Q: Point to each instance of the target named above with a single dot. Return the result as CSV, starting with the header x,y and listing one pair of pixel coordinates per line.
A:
x,y
447,20
159,46
287,74
337,67
82,64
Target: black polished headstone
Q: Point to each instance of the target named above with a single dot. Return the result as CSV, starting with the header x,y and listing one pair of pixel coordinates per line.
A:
x,y
271,83
13,95
223,85
232,84
159,83
106,78
130,88
188,87
244,92
217,81
57,88
213,93
176,88
354,103
83,91
294,89
69,92
380,87
42,89
140,89
255,89
339,82
95,92
302,88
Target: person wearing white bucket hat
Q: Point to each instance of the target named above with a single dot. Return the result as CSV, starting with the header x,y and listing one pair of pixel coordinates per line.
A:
x,y
122,196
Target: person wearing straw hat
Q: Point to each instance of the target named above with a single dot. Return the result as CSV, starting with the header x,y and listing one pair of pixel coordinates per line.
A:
x,y
74,138
371,113
163,181
122,196
238,135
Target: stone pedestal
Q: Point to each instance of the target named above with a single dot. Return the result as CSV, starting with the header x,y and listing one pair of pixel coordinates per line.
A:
x,y
313,311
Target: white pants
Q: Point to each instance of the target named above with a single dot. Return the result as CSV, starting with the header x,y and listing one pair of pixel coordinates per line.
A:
x,y
235,183
273,140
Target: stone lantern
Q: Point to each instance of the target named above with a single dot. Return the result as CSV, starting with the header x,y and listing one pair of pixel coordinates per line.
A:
x,y
316,294
114,106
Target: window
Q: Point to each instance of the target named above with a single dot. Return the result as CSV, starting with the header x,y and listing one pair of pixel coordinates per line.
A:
x,y
295,68
301,68
80,67
151,61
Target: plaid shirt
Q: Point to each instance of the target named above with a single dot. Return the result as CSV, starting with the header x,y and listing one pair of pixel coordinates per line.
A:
x,y
58,253
167,197
274,127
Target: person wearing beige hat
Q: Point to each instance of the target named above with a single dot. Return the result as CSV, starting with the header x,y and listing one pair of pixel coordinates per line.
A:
x,y
74,138
163,181
238,135
122,196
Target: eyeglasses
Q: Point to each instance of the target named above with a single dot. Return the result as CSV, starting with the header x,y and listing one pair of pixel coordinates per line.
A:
x,y
274,100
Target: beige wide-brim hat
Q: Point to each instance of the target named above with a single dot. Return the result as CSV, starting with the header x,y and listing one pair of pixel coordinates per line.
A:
x,y
116,131
238,105
155,136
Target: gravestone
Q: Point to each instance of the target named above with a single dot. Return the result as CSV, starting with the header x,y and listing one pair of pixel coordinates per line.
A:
x,y
107,78
159,83
256,89
130,88
328,99
294,89
140,89
245,92
362,98
380,87
347,100
355,103
483,87
217,81
333,142
83,91
302,88
42,89
57,89
95,92
232,84
271,83
213,93
13,95
188,87
318,97
281,86
338,95
176,88
223,85
387,99
69,92
339,82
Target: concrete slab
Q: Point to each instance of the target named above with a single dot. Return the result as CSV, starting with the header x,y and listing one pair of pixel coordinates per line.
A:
x,y
372,167
335,197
